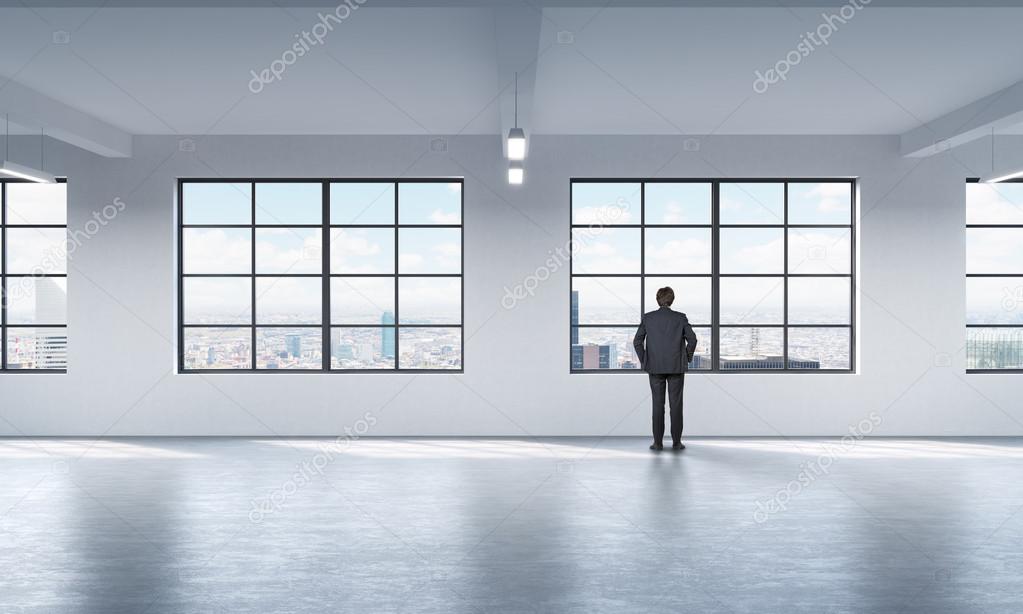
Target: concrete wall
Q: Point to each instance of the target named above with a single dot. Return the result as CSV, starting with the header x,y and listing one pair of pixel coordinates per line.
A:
x,y
122,379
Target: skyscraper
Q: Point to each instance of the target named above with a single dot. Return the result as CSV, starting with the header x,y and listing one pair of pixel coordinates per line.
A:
x,y
575,317
293,344
387,334
51,308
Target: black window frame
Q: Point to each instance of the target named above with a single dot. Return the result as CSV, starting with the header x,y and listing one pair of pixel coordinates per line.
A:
x,y
4,326
325,273
715,275
969,275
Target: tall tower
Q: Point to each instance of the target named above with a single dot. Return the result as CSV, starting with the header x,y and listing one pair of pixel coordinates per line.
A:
x,y
293,344
51,308
754,343
387,334
575,317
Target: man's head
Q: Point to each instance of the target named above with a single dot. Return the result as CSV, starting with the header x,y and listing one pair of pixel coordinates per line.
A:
x,y
665,296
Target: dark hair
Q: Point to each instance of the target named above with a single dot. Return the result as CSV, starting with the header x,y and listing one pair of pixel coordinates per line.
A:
x,y
665,296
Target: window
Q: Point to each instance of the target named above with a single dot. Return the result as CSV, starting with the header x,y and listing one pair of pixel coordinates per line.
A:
x,y
763,269
334,275
994,276
33,263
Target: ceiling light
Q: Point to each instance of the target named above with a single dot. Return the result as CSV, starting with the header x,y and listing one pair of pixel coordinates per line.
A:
x,y
12,169
516,173
516,144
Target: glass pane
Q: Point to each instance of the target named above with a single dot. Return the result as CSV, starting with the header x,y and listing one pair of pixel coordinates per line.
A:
x,y
217,250
752,250
288,300
430,250
605,300
678,203
218,348
606,250
752,300
288,250
678,250
362,300
217,203
361,250
37,348
361,203
819,348
39,203
36,251
994,203
819,250
430,203
217,300
289,203
994,300
37,300
289,348
430,348
751,348
819,300
994,348
362,348
604,348
752,203
430,300
605,204
988,250
692,296
820,203
701,359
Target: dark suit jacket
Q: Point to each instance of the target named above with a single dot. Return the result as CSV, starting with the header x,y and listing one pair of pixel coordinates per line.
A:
x,y
670,342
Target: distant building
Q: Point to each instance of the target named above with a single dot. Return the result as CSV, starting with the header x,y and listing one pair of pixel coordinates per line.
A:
x,y
51,350
293,345
575,317
387,334
738,363
51,308
592,356
990,349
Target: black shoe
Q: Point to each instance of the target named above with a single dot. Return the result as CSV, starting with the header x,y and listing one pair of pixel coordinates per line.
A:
x,y
656,447
678,446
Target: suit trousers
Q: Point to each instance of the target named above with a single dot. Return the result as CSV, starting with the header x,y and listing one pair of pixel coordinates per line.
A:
x,y
675,383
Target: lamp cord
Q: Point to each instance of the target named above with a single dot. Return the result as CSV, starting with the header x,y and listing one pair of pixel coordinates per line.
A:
x,y
516,100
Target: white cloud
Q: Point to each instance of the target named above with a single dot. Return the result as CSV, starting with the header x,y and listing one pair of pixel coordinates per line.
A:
x,y
440,217
679,256
833,196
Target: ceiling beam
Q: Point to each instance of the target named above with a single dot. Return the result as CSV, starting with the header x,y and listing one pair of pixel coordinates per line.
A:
x,y
518,42
28,107
539,4
969,123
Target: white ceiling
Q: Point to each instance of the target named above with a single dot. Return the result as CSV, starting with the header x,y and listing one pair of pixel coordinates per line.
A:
x,y
434,70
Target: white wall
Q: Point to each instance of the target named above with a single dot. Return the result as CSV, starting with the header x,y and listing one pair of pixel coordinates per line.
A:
x,y
121,379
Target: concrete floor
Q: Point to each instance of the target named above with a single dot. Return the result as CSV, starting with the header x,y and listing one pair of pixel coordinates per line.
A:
x,y
499,525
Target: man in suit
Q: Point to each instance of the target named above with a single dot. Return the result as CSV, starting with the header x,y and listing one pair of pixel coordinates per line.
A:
x,y
670,345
